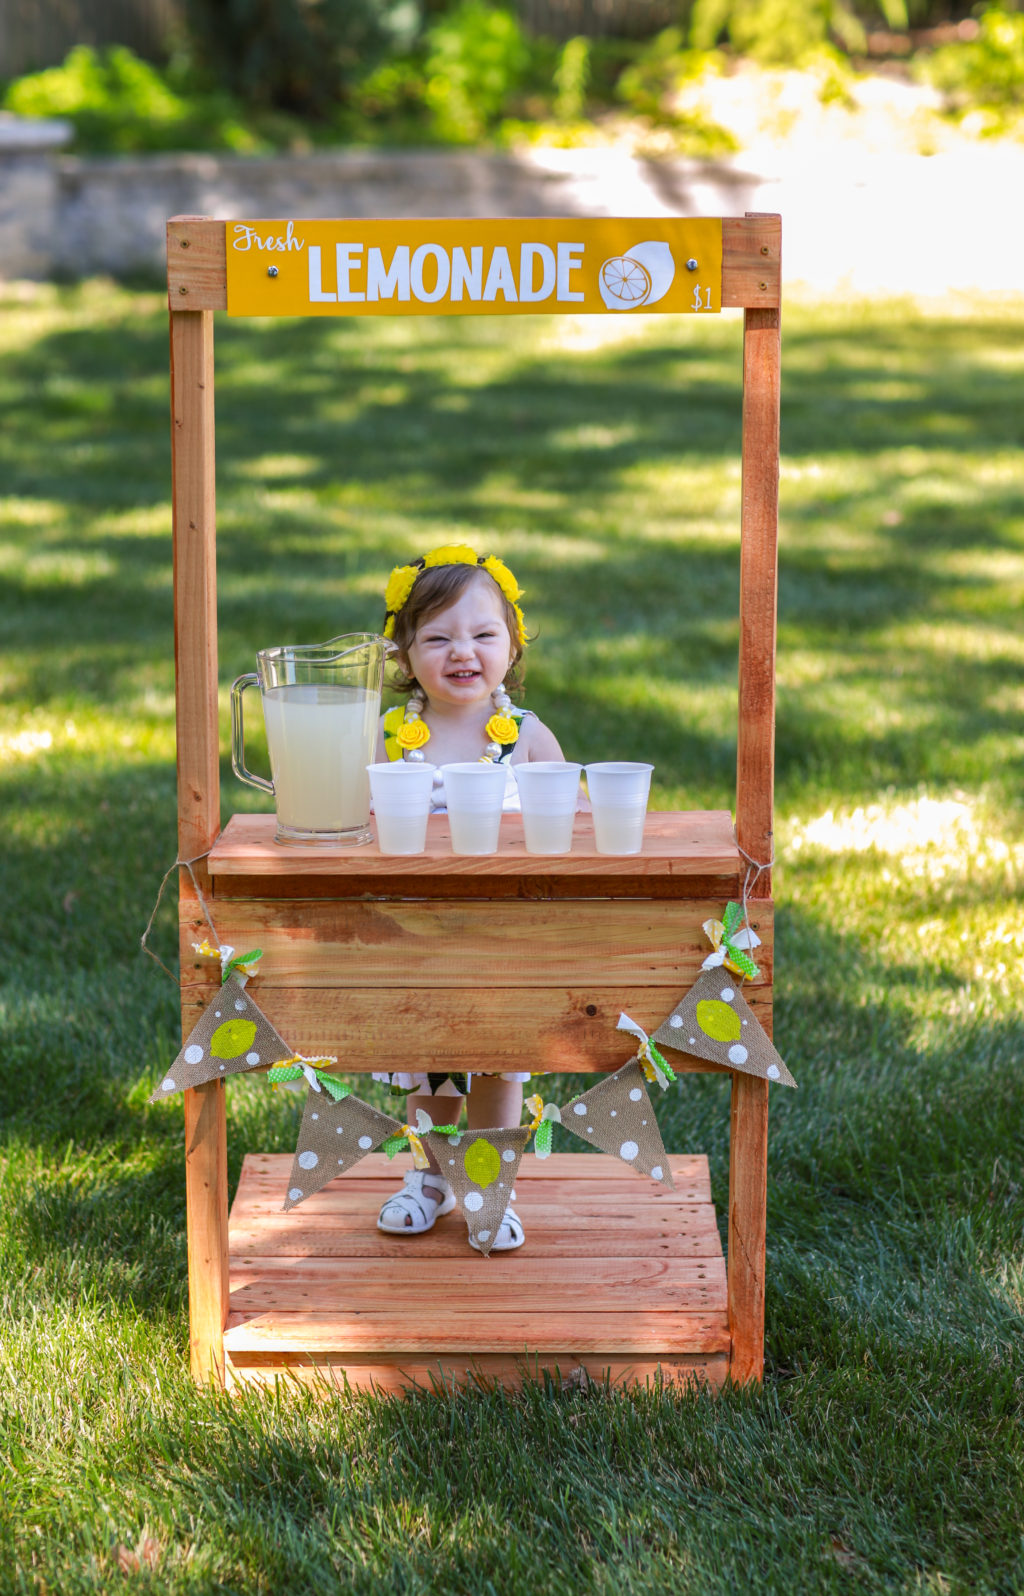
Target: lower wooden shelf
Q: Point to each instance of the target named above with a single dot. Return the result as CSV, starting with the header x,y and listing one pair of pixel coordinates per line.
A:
x,y
618,1276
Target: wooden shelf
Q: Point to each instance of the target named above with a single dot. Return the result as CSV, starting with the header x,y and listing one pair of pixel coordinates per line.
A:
x,y
682,853
617,1274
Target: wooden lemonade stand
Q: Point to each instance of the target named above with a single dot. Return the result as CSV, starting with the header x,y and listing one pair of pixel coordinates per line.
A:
x,y
526,961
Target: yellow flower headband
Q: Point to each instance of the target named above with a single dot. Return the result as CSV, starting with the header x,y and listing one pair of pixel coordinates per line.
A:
x,y
403,579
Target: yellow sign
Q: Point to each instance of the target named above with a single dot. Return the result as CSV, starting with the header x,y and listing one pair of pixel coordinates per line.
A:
x,y
614,267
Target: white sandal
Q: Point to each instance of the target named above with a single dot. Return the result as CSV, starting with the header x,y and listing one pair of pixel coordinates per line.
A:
x,y
510,1234
416,1204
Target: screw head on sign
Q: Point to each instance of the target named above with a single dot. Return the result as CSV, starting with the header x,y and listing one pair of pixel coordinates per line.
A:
x,y
764,249
183,289
691,264
762,286
271,271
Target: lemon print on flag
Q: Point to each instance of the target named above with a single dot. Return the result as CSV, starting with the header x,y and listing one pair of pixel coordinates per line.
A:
x,y
482,1162
717,1020
232,1038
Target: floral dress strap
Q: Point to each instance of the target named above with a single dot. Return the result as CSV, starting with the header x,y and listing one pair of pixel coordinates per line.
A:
x,y
393,718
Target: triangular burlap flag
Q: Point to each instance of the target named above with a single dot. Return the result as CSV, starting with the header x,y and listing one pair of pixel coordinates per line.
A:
x,y
617,1116
715,1021
333,1137
232,1036
481,1167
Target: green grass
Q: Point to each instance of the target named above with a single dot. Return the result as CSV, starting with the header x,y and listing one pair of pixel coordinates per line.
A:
x,y
885,1450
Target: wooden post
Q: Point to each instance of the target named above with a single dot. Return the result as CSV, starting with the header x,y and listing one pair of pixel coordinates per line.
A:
x,y
755,775
195,657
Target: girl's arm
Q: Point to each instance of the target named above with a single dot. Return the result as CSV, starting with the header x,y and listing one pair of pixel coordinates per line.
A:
x,y
540,741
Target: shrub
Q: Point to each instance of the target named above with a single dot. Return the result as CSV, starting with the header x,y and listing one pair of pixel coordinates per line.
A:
x,y
117,104
985,73
476,60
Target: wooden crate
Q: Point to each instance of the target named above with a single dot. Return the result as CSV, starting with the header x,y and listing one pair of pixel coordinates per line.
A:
x,y
618,1276
367,958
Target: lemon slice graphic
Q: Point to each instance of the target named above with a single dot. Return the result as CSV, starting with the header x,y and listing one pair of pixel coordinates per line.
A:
x,y
640,276
625,279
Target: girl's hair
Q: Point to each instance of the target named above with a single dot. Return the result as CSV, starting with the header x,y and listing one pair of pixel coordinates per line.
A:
x,y
433,590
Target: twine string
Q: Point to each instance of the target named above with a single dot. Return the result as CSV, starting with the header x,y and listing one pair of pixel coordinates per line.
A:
x,y
179,864
752,875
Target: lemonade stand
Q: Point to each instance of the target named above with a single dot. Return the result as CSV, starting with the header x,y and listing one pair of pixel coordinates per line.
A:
x,y
369,957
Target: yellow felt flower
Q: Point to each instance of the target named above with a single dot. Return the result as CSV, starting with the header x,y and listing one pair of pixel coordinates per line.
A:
x,y
399,586
521,624
502,729
389,627
451,554
503,576
412,733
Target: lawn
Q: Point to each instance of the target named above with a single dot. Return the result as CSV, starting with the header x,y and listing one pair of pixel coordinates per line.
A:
x,y
885,1451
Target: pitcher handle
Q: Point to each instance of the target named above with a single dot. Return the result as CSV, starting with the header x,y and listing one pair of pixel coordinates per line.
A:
x,y
238,686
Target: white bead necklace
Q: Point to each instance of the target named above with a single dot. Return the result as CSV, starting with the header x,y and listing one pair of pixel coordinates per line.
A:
x,y
492,750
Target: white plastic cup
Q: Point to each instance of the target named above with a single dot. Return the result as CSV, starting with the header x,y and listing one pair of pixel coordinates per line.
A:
x,y
401,804
618,797
474,794
548,791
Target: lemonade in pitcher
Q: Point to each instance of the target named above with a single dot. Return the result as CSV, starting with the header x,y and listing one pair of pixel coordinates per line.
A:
x,y
320,706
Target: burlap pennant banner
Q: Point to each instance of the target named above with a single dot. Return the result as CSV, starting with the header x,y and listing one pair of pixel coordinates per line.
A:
x,y
714,1021
231,1037
332,1138
481,1167
617,1116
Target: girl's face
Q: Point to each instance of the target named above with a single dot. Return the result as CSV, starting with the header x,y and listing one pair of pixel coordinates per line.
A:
x,y
460,655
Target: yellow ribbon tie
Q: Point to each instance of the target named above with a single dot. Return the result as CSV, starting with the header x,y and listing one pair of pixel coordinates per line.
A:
x,y
419,1157
535,1106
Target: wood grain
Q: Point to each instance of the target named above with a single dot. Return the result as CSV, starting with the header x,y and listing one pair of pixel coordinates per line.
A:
x,y
197,262
331,1374
391,944
679,845
547,1029
195,660
748,1187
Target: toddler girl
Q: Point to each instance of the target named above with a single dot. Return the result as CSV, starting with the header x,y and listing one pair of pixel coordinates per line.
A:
x,y
459,636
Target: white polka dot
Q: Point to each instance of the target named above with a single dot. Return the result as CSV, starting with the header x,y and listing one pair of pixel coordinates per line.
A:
x,y
501,1185
223,1068
314,1116
366,1142
643,1122
773,1072
579,1108
217,1014
693,1041
252,1058
657,1172
339,1130
193,1054
295,1194
737,1053
453,1141
341,1160
614,1113
509,1155
727,994
473,1201
451,1160
635,1095
240,1004
628,1151
308,1160
483,1235
676,1022
743,1022
167,1085
590,1130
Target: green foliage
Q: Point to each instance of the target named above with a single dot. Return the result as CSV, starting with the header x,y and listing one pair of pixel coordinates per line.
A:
x,y
476,58
985,73
571,77
293,55
776,32
118,103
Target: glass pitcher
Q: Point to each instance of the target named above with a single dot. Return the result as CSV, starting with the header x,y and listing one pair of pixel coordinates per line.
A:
x,y
320,707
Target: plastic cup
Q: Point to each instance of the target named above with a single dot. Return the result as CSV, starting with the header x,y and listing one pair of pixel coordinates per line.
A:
x,y
548,791
474,794
618,796
401,804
